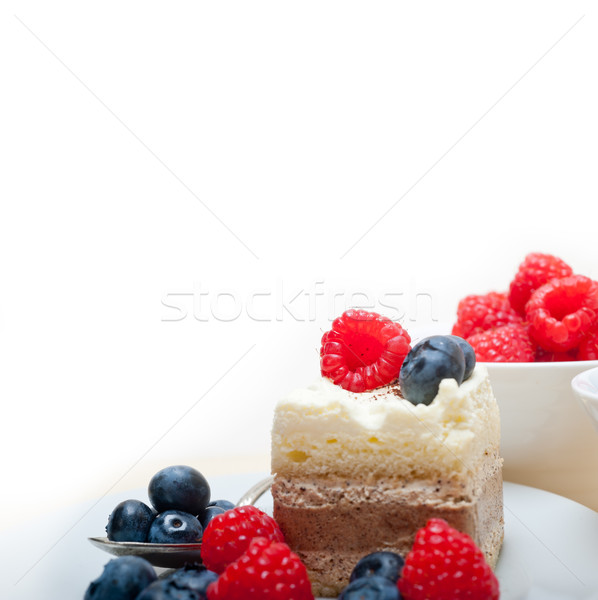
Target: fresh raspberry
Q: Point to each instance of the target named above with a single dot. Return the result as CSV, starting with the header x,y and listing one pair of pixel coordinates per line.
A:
x,y
588,348
562,311
547,356
509,343
363,350
445,564
228,535
535,270
267,570
480,312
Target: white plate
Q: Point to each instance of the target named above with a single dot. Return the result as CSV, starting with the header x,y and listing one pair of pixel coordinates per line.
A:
x,y
550,550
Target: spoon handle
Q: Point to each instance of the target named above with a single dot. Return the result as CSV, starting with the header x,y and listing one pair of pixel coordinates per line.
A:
x,y
256,492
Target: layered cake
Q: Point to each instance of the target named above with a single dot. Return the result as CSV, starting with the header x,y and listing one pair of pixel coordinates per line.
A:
x,y
362,471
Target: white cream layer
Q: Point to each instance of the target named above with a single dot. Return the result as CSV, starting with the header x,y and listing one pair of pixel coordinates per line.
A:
x,y
324,429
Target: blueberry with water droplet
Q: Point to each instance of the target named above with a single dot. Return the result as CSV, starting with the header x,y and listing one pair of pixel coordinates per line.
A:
x,y
175,527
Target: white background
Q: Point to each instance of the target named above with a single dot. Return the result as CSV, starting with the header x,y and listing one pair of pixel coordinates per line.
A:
x,y
191,191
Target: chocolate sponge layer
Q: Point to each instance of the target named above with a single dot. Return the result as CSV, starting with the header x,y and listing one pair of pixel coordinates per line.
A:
x,y
331,522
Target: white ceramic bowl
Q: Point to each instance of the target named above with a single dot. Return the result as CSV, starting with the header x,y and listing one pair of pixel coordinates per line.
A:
x,y
547,441
585,387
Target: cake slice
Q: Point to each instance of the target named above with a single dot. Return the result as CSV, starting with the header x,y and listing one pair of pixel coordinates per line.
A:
x,y
359,472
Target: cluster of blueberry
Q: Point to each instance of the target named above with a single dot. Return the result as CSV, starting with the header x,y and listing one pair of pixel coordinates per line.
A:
x,y
375,577
134,578
180,510
430,361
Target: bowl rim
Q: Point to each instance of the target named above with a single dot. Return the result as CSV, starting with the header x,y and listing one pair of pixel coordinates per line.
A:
x,y
583,386
576,365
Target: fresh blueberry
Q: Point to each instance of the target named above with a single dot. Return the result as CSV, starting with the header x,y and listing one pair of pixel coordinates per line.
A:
x,y
383,564
123,578
208,514
175,527
371,588
469,354
225,504
193,577
129,521
179,488
427,364
164,589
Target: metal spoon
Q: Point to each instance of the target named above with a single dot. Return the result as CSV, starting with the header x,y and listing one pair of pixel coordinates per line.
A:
x,y
173,556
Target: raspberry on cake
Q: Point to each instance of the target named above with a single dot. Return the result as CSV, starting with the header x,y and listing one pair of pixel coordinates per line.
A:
x,y
363,350
361,472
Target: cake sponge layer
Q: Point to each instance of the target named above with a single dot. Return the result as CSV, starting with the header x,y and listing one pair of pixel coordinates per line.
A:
x,y
331,523
325,429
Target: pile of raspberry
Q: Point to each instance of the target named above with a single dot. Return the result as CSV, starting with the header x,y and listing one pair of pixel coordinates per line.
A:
x,y
549,313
